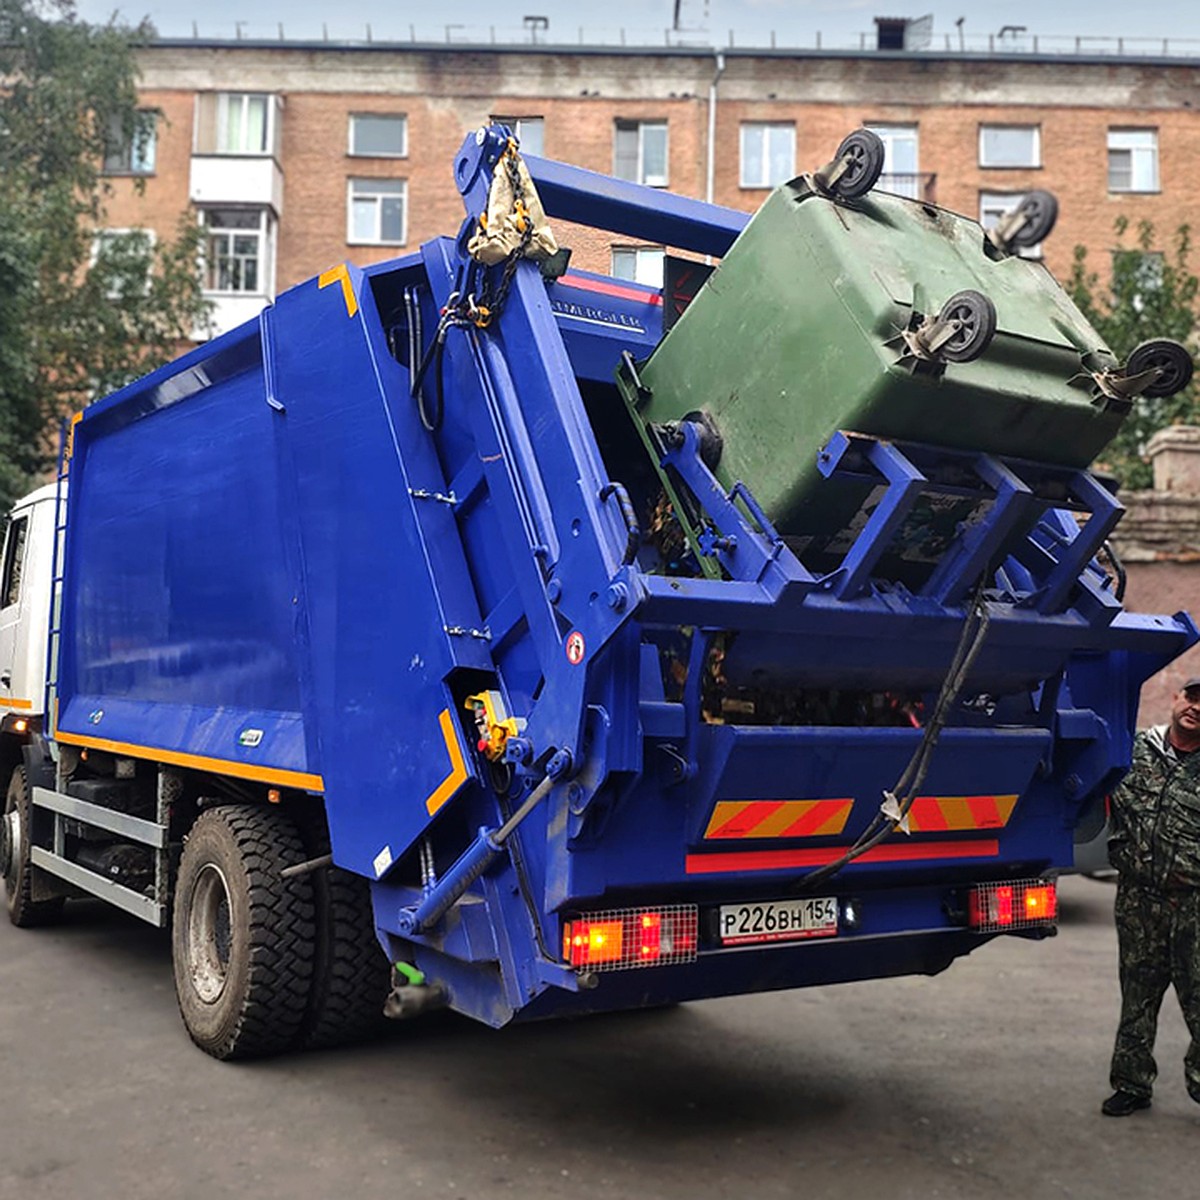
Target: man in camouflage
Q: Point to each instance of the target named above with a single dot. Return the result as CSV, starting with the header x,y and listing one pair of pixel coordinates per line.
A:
x,y
1155,847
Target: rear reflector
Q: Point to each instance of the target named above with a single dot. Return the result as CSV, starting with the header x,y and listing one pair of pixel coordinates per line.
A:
x,y
1022,904
620,938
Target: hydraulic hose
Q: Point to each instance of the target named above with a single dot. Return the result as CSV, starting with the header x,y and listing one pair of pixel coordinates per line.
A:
x,y
899,799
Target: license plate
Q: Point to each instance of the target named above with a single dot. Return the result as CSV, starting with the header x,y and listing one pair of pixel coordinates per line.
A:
x,y
778,921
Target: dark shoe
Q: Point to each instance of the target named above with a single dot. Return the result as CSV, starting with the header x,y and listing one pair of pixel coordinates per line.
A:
x,y
1121,1104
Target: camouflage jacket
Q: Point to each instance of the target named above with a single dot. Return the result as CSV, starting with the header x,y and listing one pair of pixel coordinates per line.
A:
x,y
1156,816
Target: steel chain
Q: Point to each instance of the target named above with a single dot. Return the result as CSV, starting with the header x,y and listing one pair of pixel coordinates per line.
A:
x,y
492,303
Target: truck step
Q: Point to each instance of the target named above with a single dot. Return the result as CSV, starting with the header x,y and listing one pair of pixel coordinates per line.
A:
x,y
145,907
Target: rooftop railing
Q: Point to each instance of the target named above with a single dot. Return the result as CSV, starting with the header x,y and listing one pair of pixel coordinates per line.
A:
x,y
1016,44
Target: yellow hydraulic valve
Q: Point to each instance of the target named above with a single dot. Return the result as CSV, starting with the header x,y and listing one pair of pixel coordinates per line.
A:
x,y
494,724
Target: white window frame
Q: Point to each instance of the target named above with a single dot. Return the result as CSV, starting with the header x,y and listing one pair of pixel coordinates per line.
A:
x,y
997,205
762,130
402,118
226,100
649,264
1035,156
623,125
890,134
351,196
1146,156
264,234
521,126
12,565
134,159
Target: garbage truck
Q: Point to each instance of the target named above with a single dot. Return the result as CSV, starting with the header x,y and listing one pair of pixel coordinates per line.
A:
x,y
472,630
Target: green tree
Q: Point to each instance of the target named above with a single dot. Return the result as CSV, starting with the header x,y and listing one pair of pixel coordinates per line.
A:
x,y
1150,293
79,315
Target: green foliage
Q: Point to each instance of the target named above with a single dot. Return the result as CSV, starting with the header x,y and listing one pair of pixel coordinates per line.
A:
x,y
73,322
1151,293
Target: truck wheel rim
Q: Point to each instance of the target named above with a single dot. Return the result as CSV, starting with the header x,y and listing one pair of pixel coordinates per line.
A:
x,y
209,934
10,847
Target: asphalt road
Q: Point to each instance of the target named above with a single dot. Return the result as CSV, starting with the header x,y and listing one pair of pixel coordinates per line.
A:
x,y
984,1082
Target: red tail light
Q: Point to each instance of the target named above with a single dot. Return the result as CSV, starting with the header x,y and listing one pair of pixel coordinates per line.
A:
x,y
618,939
1023,904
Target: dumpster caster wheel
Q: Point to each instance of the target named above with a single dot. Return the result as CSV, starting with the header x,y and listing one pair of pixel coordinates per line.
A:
x,y
1167,356
864,153
977,317
1040,210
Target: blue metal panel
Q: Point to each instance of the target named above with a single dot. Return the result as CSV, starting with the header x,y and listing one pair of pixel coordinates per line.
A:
x,y
635,210
391,609
600,318
179,621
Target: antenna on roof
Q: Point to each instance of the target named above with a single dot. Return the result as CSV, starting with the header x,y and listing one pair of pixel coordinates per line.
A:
x,y
533,24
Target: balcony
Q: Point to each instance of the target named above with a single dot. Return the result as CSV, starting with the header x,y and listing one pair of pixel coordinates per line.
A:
x,y
236,179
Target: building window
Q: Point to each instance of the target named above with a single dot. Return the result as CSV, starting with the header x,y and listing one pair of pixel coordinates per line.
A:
x,y
378,135
238,123
377,212
242,121
131,151
1010,146
768,154
236,250
994,206
639,264
529,131
640,152
1133,160
900,172
122,260
14,561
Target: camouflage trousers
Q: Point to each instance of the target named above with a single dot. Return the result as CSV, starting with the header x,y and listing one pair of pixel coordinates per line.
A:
x,y
1159,939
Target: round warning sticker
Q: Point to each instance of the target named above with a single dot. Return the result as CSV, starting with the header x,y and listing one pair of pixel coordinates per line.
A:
x,y
575,648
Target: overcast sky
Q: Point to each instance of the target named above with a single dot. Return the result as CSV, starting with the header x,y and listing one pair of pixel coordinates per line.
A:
x,y
794,22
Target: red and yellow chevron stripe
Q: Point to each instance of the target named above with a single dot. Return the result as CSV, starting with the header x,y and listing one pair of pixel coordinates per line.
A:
x,y
825,818
778,818
940,814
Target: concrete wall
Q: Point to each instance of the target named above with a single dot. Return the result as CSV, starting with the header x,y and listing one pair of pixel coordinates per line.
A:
x,y
1159,542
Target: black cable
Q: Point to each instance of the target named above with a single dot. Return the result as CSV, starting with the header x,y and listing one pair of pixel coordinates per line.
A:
x,y
905,791
1119,567
434,423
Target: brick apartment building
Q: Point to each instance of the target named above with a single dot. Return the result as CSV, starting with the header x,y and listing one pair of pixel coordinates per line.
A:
x,y
299,155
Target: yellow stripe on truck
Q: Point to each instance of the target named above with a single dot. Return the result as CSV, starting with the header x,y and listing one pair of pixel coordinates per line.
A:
x,y
219,766
458,766
340,274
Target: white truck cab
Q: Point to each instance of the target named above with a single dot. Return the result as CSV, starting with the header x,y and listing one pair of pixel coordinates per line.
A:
x,y
25,585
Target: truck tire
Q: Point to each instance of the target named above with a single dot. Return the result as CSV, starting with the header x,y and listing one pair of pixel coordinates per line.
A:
x,y
23,910
351,974
242,936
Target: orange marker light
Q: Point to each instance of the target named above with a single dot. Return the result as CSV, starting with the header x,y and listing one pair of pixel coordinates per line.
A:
x,y
1041,903
592,942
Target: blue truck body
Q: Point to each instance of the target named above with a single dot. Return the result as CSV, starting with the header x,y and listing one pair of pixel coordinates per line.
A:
x,y
275,574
